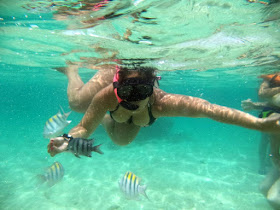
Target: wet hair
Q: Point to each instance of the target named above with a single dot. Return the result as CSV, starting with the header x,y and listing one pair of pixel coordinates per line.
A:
x,y
145,72
274,81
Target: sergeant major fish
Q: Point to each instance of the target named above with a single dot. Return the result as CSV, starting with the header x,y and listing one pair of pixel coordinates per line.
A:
x,y
130,186
55,125
80,146
53,174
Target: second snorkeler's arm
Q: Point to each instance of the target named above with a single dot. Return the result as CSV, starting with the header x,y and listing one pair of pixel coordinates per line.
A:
x,y
181,105
249,105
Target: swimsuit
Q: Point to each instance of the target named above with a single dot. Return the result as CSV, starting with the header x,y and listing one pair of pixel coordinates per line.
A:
x,y
129,121
267,111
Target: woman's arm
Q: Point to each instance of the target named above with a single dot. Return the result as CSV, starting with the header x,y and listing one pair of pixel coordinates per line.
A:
x,y
187,106
101,103
266,92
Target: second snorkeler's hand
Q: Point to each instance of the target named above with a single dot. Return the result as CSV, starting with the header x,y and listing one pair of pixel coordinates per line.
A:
x,y
57,145
247,105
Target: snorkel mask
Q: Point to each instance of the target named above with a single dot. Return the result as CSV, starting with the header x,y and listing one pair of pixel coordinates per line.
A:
x,y
132,89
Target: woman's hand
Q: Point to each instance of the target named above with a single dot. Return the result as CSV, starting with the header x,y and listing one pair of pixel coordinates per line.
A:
x,y
57,145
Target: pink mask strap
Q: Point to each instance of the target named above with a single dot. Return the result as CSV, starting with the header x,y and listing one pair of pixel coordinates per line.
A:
x,y
116,79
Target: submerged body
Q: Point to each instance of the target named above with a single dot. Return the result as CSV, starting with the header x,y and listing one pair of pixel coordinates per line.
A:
x,y
80,146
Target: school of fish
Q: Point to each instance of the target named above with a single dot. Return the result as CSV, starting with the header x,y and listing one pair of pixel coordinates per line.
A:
x,y
129,184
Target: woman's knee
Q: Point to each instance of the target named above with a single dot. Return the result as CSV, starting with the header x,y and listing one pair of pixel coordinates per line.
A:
x,y
273,195
77,105
77,108
274,201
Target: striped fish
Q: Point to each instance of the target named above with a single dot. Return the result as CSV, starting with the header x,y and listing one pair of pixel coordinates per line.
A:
x,y
80,146
53,174
55,125
130,186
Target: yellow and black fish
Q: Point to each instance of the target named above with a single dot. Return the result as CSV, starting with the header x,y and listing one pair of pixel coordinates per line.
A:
x,y
55,125
80,146
130,186
53,174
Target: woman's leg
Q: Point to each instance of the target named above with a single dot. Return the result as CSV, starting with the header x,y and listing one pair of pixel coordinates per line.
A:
x,y
263,153
274,149
273,195
270,187
120,133
79,94
269,180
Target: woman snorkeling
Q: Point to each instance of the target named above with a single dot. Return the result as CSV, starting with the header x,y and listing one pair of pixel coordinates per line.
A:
x,y
133,98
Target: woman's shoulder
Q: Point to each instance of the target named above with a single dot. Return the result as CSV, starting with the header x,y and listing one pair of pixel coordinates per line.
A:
x,y
160,98
159,93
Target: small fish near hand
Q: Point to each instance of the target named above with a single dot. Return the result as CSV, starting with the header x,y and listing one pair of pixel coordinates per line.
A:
x,y
80,146
130,186
53,174
56,124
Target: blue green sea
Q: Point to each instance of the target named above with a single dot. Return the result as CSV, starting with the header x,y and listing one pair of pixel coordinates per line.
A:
x,y
212,49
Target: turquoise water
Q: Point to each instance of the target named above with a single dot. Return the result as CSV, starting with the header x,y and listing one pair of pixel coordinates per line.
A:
x,y
209,49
